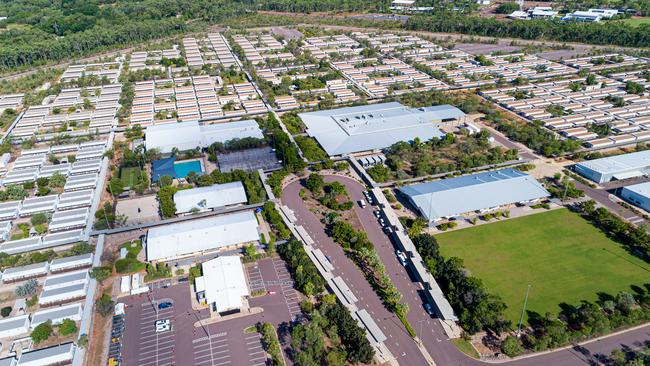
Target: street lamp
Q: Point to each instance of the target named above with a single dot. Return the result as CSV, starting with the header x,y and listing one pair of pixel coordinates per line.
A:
x,y
521,318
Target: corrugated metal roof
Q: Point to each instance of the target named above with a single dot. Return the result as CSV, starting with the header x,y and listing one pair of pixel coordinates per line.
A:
x,y
214,196
175,240
376,126
225,283
47,356
455,196
618,163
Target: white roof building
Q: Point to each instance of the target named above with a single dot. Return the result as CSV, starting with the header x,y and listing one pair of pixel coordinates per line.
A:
x,y
67,263
376,126
56,355
195,236
481,191
190,135
57,314
24,272
14,326
224,283
211,197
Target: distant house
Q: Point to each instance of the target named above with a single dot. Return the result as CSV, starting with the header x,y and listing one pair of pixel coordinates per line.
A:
x,y
583,16
539,12
518,14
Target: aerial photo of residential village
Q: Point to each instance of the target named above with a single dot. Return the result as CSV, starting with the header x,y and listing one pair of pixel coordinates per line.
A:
x,y
324,182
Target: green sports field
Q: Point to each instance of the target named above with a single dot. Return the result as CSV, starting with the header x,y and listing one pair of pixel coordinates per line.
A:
x,y
560,254
129,176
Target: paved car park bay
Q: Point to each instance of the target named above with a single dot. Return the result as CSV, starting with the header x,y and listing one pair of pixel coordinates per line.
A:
x,y
156,348
229,348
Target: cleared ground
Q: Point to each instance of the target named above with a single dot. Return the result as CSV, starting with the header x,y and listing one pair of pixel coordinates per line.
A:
x,y
561,255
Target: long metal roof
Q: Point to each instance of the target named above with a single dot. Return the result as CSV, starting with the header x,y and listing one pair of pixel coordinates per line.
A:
x,y
376,126
48,356
455,196
176,240
189,135
619,163
217,195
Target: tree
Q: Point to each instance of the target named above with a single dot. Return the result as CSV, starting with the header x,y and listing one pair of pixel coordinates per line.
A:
x,y
115,186
101,273
165,180
38,219
67,327
104,305
507,8
82,341
315,183
634,88
57,180
42,332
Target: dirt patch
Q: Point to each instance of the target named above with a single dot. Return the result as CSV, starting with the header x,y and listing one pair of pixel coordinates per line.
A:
x,y
97,345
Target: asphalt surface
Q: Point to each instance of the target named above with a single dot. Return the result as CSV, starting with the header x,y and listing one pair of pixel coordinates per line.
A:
x,y
602,197
398,340
218,344
429,330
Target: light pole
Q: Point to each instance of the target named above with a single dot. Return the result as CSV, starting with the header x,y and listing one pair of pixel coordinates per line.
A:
x,y
521,318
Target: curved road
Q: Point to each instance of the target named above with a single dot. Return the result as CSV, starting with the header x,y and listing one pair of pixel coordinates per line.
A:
x,y
430,331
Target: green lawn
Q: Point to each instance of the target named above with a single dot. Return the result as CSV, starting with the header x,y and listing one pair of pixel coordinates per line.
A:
x,y
637,21
129,176
562,256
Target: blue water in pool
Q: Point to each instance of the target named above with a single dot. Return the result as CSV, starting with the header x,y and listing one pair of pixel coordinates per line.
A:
x,y
183,169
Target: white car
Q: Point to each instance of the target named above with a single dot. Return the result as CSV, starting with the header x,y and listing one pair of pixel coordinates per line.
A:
x,y
163,325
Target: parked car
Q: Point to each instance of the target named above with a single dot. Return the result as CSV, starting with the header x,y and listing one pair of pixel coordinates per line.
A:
x,y
164,305
362,203
163,325
428,308
402,257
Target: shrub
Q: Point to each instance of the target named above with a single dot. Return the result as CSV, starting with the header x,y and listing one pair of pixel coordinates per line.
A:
x,y
5,311
27,289
42,332
511,347
104,305
39,219
68,326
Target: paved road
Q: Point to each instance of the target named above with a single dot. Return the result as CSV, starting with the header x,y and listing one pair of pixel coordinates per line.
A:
x,y
431,333
602,197
398,341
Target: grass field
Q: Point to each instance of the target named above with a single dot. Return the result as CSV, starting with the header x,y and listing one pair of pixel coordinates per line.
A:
x,y
562,256
637,21
129,176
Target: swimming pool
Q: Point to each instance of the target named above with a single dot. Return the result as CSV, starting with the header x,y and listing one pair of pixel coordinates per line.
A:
x,y
183,169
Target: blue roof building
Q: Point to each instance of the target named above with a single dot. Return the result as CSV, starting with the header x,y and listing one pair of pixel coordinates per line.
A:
x,y
376,126
481,191
162,167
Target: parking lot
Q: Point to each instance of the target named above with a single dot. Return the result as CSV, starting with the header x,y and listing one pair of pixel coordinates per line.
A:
x,y
156,348
229,347
248,160
222,343
290,295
